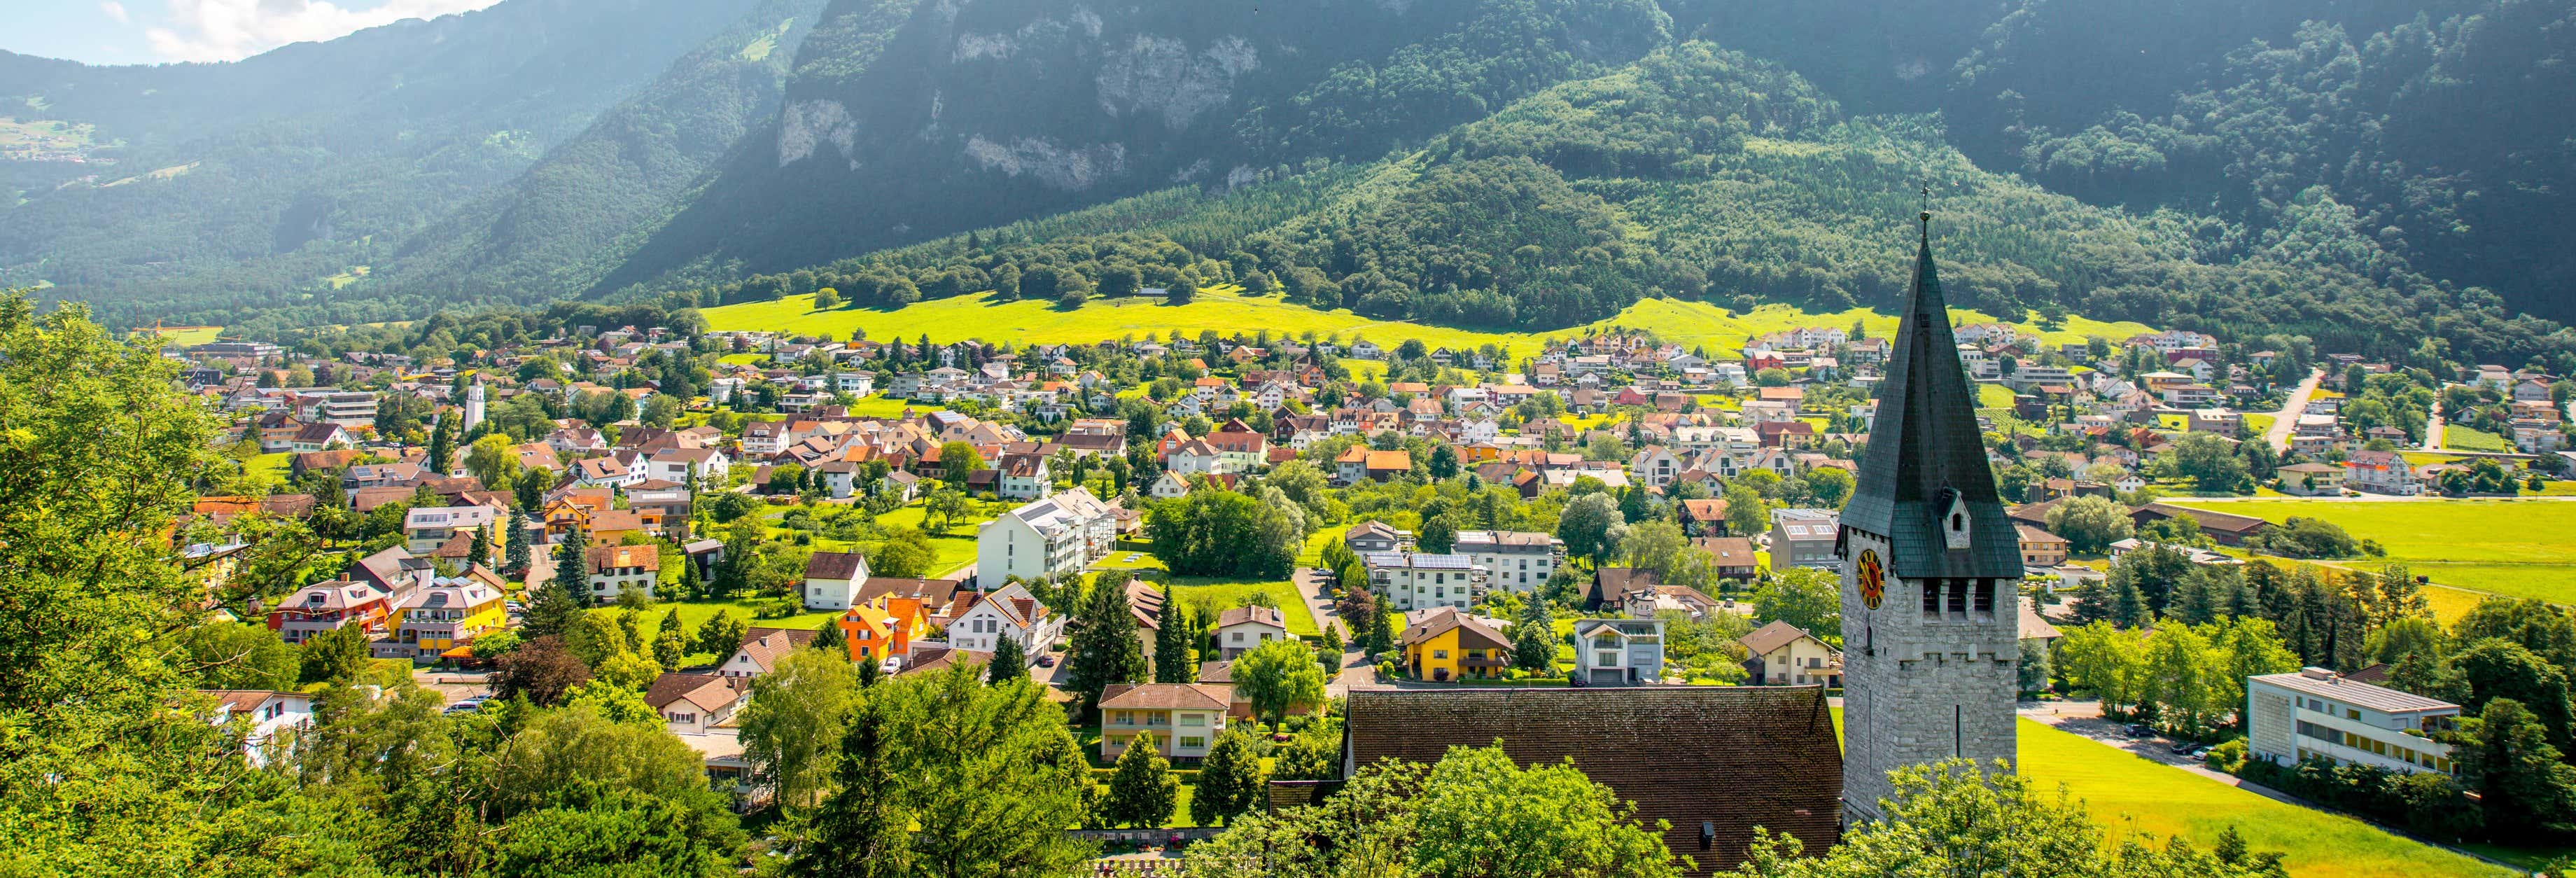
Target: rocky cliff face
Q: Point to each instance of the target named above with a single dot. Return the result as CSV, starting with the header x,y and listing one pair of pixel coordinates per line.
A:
x,y
938,115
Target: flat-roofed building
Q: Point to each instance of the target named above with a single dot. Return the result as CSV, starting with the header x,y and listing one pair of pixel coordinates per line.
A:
x,y
2317,713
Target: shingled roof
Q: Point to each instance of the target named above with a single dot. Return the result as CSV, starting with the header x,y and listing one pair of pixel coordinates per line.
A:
x,y
1926,445
1733,757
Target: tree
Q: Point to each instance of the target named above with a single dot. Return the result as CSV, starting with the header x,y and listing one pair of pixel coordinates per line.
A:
x,y
1106,648
2211,463
1172,661
1955,818
442,448
905,554
231,655
338,655
796,718
1230,779
721,635
517,555
958,459
540,669
493,460
1142,791
1591,526
1009,662
1534,639
2090,524
1809,599
2491,669
2525,788
1474,813
1746,512
671,641
1279,676
556,605
861,830
1830,485
948,736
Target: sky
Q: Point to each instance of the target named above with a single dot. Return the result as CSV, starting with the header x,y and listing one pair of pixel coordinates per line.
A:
x,y
157,31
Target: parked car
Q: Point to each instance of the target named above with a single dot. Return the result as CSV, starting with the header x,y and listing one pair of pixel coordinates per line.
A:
x,y
1046,661
2139,730
2184,748
2201,753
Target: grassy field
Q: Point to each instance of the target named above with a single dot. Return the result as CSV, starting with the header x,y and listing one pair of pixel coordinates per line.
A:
x,y
1994,396
696,613
881,406
1691,324
2459,438
2126,792
1226,593
2518,549
272,467
189,335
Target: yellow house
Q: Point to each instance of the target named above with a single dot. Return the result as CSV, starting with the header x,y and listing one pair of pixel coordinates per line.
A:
x,y
1443,644
448,615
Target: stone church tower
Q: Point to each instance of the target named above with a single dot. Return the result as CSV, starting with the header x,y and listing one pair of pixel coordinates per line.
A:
x,y
1930,570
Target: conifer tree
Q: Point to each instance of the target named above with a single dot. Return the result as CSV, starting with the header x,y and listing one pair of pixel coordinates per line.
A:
x,y
861,830
828,637
1106,649
442,446
1230,780
2129,610
671,643
1010,662
516,553
1142,792
558,603
1172,638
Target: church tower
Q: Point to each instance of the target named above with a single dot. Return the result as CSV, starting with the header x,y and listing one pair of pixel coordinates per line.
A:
x,y
474,404
1930,569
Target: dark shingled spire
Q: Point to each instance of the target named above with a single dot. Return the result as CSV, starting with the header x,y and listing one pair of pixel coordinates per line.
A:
x,y
1925,450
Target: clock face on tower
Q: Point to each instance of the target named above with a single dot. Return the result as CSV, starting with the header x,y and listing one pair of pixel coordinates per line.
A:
x,y
1873,579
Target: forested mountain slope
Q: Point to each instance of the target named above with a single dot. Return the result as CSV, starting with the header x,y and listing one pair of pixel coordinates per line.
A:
x,y
986,111
1694,172
239,186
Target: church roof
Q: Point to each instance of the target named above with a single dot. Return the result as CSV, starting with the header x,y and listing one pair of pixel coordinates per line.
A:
x,y
1729,758
1925,445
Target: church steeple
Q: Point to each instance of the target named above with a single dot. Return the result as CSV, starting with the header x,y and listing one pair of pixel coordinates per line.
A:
x,y
1930,632
1924,482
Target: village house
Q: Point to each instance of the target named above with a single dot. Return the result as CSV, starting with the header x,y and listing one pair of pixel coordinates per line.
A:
x,y
1185,719
1241,629
1787,655
1445,644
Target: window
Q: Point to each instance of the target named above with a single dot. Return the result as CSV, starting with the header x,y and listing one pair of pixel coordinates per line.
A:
x,y
1235,637
1986,596
1440,653
2349,713
1193,719
1605,659
1193,742
1931,597
1958,596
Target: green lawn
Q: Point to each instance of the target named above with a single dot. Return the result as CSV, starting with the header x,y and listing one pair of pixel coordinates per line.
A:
x,y
1994,396
881,406
272,467
2128,792
2500,546
187,336
1689,324
696,613
742,359
2461,438
2258,422
953,550
1230,593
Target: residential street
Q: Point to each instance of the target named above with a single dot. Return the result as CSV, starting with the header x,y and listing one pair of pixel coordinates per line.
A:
x,y
2433,428
2288,417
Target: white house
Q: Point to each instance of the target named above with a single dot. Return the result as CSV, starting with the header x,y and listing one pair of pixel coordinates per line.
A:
x,y
685,465
1412,580
1008,613
1242,629
1515,561
761,649
616,570
2316,713
1618,652
265,713
1787,655
833,579
427,528
1059,534
690,704
1024,477
1169,486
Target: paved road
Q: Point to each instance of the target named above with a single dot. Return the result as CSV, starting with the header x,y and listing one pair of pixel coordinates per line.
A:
x,y
2288,417
1310,584
2433,428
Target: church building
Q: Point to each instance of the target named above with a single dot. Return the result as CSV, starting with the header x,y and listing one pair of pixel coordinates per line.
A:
x,y
1930,570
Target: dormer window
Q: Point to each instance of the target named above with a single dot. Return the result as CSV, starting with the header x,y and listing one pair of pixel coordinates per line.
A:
x,y
1954,519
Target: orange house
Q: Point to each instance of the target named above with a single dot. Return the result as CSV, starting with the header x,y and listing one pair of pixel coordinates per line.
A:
x,y
884,628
